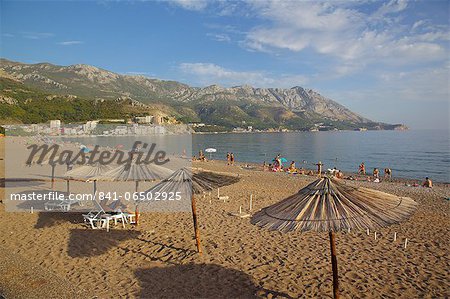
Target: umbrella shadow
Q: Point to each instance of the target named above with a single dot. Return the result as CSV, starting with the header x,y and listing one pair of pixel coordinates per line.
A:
x,y
165,253
195,281
46,219
20,182
90,242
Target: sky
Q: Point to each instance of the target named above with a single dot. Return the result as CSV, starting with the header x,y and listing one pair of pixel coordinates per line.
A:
x,y
386,60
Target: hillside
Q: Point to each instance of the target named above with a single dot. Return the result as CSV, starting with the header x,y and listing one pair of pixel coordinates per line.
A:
x,y
263,108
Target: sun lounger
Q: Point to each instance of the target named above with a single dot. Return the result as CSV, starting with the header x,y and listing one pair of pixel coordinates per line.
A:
x,y
63,205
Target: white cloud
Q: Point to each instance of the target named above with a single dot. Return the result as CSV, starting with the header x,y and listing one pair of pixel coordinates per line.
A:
x,y
391,7
70,43
209,73
7,35
338,30
220,37
190,4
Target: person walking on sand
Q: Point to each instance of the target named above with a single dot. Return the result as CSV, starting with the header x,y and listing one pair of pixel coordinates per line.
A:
x,y
228,158
232,159
427,183
362,169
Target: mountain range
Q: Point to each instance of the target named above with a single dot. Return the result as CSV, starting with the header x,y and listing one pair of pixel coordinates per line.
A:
x,y
39,92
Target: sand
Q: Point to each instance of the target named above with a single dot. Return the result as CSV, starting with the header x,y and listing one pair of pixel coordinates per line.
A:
x,y
158,259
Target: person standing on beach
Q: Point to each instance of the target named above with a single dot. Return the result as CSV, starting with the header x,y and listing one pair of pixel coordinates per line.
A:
x,y
228,158
232,158
362,169
319,168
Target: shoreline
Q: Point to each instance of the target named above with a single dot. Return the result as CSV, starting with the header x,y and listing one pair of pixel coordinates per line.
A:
x,y
355,175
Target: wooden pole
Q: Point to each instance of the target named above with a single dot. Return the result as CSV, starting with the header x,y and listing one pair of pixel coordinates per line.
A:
x,y
136,215
53,176
196,231
334,267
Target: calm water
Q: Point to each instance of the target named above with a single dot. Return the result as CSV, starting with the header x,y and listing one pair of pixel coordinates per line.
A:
x,y
410,154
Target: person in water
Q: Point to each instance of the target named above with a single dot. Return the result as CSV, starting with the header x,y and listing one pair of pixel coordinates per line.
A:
x,y
228,158
427,183
232,159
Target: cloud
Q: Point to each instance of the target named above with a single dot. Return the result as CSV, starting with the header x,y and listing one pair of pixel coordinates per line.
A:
x,y
353,38
209,73
195,5
70,43
37,35
391,7
220,37
7,35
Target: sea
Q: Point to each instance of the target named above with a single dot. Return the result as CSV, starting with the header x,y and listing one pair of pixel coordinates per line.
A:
x,y
414,154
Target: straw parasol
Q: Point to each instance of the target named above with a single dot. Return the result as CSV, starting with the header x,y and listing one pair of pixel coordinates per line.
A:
x,y
188,183
86,173
327,205
135,172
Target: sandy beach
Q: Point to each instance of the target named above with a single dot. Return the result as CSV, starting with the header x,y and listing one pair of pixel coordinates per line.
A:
x,y
158,258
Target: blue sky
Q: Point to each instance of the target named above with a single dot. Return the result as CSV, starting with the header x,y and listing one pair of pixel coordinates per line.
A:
x,y
387,60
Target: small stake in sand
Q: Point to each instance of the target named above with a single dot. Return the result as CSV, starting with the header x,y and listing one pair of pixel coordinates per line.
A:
x,y
218,193
251,202
240,209
395,236
31,210
349,230
375,235
368,233
406,242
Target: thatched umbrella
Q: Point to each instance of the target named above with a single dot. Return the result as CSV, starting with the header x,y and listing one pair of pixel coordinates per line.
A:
x,y
135,172
326,205
87,173
189,184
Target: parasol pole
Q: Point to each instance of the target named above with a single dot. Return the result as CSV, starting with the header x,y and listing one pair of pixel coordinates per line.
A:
x,y
334,266
196,231
136,210
53,175
67,180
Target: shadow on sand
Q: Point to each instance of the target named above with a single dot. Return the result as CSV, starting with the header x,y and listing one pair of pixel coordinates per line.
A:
x,y
195,281
93,242
20,182
49,219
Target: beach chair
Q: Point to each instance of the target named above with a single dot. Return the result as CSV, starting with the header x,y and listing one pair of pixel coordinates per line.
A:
x,y
94,216
63,205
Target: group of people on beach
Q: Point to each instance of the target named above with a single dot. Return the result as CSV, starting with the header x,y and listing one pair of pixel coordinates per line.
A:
x,y
201,157
230,158
375,173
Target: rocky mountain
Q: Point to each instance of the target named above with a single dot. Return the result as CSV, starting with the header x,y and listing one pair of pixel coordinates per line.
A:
x,y
294,108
